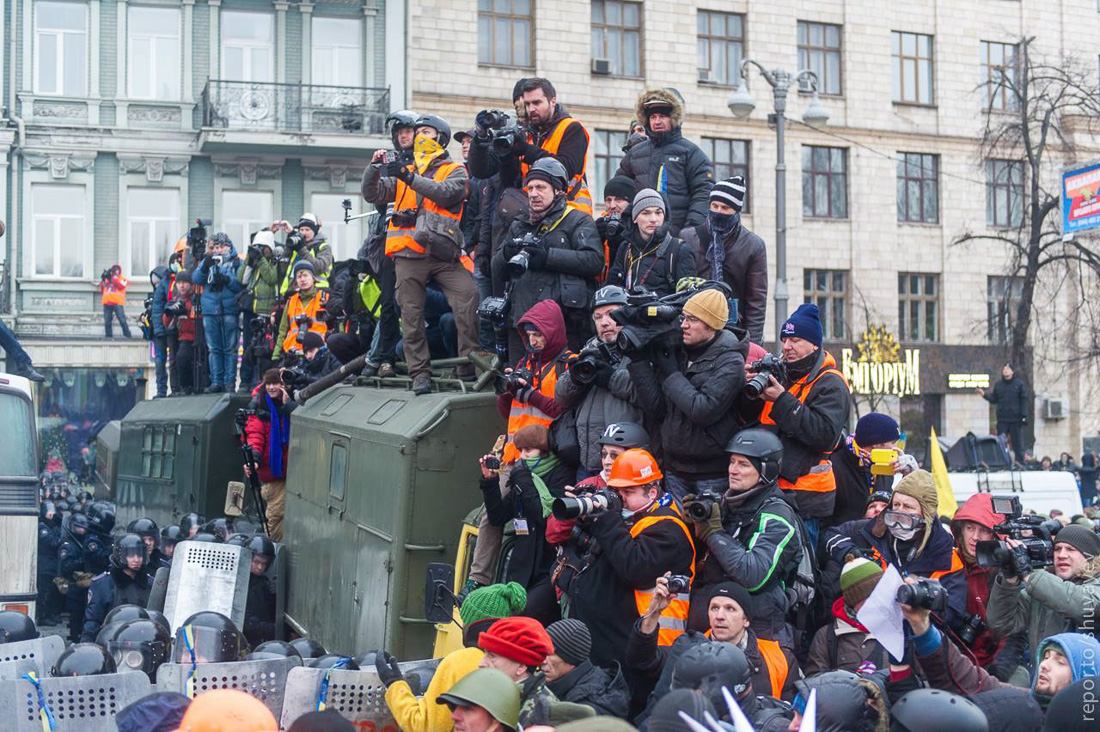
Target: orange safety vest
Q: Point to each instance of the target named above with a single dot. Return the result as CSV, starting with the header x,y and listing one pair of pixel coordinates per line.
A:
x,y
673,621
776,662
112,296
520,415
405,198
820,479
578,193
956,564
294,308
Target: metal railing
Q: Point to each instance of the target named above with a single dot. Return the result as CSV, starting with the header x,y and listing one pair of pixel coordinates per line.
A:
x,y
262,106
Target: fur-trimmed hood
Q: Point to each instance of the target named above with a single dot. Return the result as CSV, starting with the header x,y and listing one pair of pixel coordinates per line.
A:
x,y
659,95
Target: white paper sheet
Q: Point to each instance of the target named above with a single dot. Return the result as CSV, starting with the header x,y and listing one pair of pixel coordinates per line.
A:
x,y
881,614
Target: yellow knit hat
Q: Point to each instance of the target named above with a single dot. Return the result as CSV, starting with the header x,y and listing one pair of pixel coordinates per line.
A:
x,y
710,306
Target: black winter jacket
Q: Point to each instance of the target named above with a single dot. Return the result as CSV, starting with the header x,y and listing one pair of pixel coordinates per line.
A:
x,y
1010,396
656,268
108,591
259,611
744,269
592,686
692,408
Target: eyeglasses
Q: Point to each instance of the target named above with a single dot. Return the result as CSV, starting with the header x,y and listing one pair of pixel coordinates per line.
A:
x,y
604,454
691,319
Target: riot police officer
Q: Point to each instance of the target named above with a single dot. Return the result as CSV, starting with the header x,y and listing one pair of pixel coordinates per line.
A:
x,y
83,659
49,539
73,579
97,545
16,626
147,529
127,583
259,611
170,536
140,645
208,637
191,523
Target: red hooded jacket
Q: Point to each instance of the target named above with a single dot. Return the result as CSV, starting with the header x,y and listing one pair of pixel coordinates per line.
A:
x,y
257,429
547,318
979,509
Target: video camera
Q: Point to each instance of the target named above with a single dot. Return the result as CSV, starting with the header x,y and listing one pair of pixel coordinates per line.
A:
x,y
647,318
1035,533
583,368
196,238
770,365
503,131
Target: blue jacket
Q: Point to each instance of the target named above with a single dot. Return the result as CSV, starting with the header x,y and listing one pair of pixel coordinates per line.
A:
x,y
219,284
108,591
160,297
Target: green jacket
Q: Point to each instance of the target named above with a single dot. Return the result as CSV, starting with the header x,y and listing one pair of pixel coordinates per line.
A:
x,y
263,282
1046,605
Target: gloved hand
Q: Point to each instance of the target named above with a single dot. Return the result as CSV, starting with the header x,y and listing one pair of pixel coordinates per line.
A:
x,y
664,359
405,174
510,249
713,522
482,125
538,257
601,227
220,280
388,671
604,372
906,464
1020,563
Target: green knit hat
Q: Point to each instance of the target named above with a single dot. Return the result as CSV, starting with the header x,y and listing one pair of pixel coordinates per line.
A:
x,y
858,579
493,601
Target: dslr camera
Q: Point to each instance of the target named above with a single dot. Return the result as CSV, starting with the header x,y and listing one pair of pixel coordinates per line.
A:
x,y
510,382
302,321
404,218
770,365
175,308
583,368
294,241
573,508
926,594
647,318
971,629
105,274
699,509
1032,531
196,238
294,378
519,263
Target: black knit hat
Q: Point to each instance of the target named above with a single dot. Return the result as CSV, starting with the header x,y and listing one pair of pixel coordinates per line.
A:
x,y
1081,538
621,187
735,592
312,339
730,192
572,641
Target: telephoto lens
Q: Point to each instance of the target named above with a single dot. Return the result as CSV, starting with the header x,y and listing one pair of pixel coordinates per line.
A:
x,y
571,508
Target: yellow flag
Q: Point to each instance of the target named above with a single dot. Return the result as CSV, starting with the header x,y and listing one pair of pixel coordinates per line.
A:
x,y
944,495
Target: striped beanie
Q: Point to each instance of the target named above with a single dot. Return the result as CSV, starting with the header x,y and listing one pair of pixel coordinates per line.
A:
x,y
730,192
857,581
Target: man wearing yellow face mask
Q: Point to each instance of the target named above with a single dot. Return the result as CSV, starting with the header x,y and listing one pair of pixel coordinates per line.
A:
x,y
424,238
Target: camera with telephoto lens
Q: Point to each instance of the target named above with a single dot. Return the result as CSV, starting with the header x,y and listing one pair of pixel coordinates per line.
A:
x,y
294,378
501,129
579,507
105,274
492,463
196,238
699,509
647,318
613,226
583,368
1035,533
926,594
679,583
175,308
294,240
972,627
770,365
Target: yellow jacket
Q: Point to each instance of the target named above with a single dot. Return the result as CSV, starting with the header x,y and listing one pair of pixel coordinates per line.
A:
x,y
423,714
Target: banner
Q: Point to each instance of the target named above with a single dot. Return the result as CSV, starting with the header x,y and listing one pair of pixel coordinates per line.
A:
x,y
1081,198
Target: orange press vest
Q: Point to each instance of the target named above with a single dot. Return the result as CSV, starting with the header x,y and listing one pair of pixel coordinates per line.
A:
x,y
399,238
776,662
820,479
520,415
578,193
113,295
673,621
294,308
956,564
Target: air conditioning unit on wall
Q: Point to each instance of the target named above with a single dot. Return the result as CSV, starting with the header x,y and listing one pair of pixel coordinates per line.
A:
x,y
705,77
1055,409
601,66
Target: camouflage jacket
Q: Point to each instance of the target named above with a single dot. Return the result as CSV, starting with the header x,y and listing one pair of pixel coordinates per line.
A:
x,y
535,701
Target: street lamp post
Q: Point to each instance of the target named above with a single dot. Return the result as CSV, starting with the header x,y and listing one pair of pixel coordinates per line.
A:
x,y
741,105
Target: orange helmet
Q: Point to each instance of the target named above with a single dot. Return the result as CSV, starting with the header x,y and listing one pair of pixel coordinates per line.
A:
x,y
632,468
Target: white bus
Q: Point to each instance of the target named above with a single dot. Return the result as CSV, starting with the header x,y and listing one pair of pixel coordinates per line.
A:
x,y
18,495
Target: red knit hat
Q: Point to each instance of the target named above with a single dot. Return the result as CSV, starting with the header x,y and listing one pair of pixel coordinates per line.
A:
x,y
521,639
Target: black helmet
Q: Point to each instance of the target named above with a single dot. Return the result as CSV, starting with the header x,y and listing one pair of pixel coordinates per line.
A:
x,y
626,435
219,527
262,546
553,168
335,660
205,537
127,546
83,496
161,620
140,645
78,521
438,124
126,613
208,637
366,660
242,525
83,659
191,523
45,509
18,626
171,535
101,517
763,448
932,710
238,540
708,667
610,295
308,648
398,120
275,649
144,527
841,701
108,630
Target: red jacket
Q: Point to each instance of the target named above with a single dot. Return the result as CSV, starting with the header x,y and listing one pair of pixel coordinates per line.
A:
x,y
979,580
257,430
558,530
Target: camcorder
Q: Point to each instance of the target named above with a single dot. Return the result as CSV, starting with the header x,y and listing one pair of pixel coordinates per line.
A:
x,y
770,365
196,238
573,508
583,368
678,584
647,318
699,509
1035,533
500,127
926,594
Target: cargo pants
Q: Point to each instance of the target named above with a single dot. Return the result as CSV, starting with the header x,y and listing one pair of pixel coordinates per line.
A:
x,y
461,292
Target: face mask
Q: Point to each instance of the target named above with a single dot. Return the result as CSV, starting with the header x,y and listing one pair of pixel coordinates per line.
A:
x,y
723,222
174,267
425,150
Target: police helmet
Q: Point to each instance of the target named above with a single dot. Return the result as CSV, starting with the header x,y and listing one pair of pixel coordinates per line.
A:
x,y
219,527
262,546
83,659
208,637
243,526
18,626
401,119
708,667
437,123
238,540
335,661
270,650
610,295
626,435
171,535
144,527
308,648
101,517
191,523
205,537
139,645
78,524
83,496
127,547
126,613
367,659
159,618
762,448
932,710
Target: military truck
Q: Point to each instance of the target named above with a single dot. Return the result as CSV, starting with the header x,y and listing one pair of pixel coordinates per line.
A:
x,y
106,459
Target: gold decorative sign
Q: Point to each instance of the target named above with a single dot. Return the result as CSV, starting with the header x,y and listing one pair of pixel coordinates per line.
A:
x,y
881,368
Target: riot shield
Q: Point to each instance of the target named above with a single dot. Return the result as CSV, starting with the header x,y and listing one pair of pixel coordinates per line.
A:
x,y
265,680
16,669
207,576
42,651
159,591
76,703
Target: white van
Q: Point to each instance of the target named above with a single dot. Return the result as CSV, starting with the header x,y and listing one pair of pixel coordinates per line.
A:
x,y
1039,491
18,495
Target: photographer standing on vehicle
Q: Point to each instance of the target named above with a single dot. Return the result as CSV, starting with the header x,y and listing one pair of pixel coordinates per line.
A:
x,y
179,326
652,257
304,312
807,406
260,279
1010,396
1048,601
305,243
551,253
112,286
268,434
425,241
688,394
217,275
162,280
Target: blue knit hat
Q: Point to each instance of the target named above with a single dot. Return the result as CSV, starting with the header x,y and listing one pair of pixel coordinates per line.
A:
x,y
875,429
804,323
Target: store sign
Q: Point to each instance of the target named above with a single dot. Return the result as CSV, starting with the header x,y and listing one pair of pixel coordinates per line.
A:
x,y
880,367
968,381
1081,198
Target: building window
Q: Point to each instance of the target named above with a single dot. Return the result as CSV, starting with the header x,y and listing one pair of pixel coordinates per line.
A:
x,y
824,182
57,236
154,217
918,188
819,51
721,46
61,49
617,35
609,153
248,46
918,308
828,289
1004,193
153,52
730,158
344,239
245,212
505,32
337,52
912,67
1003,300
999,66
158,451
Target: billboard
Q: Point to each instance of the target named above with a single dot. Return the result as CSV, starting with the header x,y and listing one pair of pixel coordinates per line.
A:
x,y
1081,198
